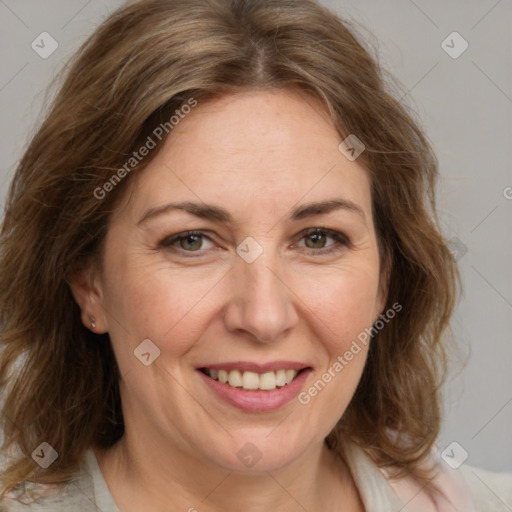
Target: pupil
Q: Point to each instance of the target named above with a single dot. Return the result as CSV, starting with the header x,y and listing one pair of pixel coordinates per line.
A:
x,y
192,241
317,239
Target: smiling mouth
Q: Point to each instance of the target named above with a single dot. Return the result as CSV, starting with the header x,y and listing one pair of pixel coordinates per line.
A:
x,y
253,381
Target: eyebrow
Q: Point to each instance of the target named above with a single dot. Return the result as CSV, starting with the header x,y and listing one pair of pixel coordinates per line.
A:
x,y
218,214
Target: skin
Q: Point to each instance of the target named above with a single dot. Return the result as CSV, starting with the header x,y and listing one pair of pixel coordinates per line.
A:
x,y
258,155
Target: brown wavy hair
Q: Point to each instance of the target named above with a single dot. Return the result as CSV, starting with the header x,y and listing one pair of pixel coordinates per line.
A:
x,y
59,380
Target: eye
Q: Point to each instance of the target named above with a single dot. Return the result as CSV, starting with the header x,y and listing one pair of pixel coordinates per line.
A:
x,y
190,241
316,242
316,239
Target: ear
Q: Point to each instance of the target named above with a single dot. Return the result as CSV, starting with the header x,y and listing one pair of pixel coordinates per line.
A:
x,y
86,286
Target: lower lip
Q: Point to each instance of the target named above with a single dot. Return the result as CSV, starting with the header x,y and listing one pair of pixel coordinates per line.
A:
x,y
257,401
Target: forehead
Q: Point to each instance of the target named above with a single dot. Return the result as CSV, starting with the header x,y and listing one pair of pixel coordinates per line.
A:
x,y
275,147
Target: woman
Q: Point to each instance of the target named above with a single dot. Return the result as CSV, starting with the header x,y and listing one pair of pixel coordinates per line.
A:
x,y
223,284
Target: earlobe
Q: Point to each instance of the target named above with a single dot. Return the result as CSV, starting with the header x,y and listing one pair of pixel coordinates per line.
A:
x,y
87,292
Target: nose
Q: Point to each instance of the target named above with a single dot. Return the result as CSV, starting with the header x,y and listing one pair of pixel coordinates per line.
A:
x,y
261,304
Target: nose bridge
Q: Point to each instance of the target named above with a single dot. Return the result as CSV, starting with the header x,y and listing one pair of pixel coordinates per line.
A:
x,y
260,303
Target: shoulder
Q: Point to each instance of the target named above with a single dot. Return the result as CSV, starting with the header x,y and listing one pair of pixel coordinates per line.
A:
x,y
491,491
77,494
45,499
467,489
445,491
36,500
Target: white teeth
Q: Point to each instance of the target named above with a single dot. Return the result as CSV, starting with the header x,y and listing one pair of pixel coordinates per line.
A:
x,y
290,375
235,379
268,381
280,378
251,381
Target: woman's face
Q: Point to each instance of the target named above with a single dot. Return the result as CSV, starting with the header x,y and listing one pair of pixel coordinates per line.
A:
x,y
257,289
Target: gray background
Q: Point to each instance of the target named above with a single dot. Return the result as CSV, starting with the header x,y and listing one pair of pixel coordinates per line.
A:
x,y
464,104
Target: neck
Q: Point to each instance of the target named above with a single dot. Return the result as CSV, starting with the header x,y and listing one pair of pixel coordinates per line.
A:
x,y
146,477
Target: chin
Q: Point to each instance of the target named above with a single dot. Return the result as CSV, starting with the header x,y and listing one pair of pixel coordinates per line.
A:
x,y
260,451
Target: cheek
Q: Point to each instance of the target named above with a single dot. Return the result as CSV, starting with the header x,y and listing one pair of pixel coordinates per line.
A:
x,y
153,301
343,314
344,304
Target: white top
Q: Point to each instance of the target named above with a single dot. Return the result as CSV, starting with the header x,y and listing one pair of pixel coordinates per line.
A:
x,y
491,492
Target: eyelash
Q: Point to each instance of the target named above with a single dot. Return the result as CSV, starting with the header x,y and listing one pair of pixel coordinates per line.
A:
x,y
341,241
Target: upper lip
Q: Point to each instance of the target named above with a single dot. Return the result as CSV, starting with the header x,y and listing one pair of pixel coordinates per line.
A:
x,y
248,366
